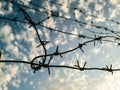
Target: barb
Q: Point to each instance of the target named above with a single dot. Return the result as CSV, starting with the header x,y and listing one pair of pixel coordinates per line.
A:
x,y
0,54
43,43
49,64
109,69
80,68
56,53
80,46
98,38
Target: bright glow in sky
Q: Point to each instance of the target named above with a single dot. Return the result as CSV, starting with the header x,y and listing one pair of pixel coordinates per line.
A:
x,y
18,41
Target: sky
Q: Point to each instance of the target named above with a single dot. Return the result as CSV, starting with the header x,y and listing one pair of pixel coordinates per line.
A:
x,y
18,42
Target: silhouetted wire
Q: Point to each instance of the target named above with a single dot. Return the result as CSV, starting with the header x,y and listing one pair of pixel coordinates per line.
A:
x,y
80,22
21,21
83,12
42,63
53,29
80,46
28,18
109,69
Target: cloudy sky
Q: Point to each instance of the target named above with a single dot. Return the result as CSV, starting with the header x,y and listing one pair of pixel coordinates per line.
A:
x,y
18,42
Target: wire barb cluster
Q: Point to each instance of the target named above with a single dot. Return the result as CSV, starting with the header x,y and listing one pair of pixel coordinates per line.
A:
x,y
109,69
80,68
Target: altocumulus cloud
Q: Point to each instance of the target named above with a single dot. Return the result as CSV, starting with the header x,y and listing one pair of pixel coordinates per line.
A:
x,y
63,79
10,72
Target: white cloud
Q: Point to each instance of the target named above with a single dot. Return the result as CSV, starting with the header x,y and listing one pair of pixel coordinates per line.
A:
x,y
51,22
61,39
6,32
4,11
16,83
65,79
98,6
115,2
8,37
108,44
73,32
62,63
11,71
25,2
96,50
7,75
107,82
31,82
72,80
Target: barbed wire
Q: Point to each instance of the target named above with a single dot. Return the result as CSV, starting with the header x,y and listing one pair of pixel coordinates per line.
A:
x,y
83,12
53,29
81,23
77,66
97,37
